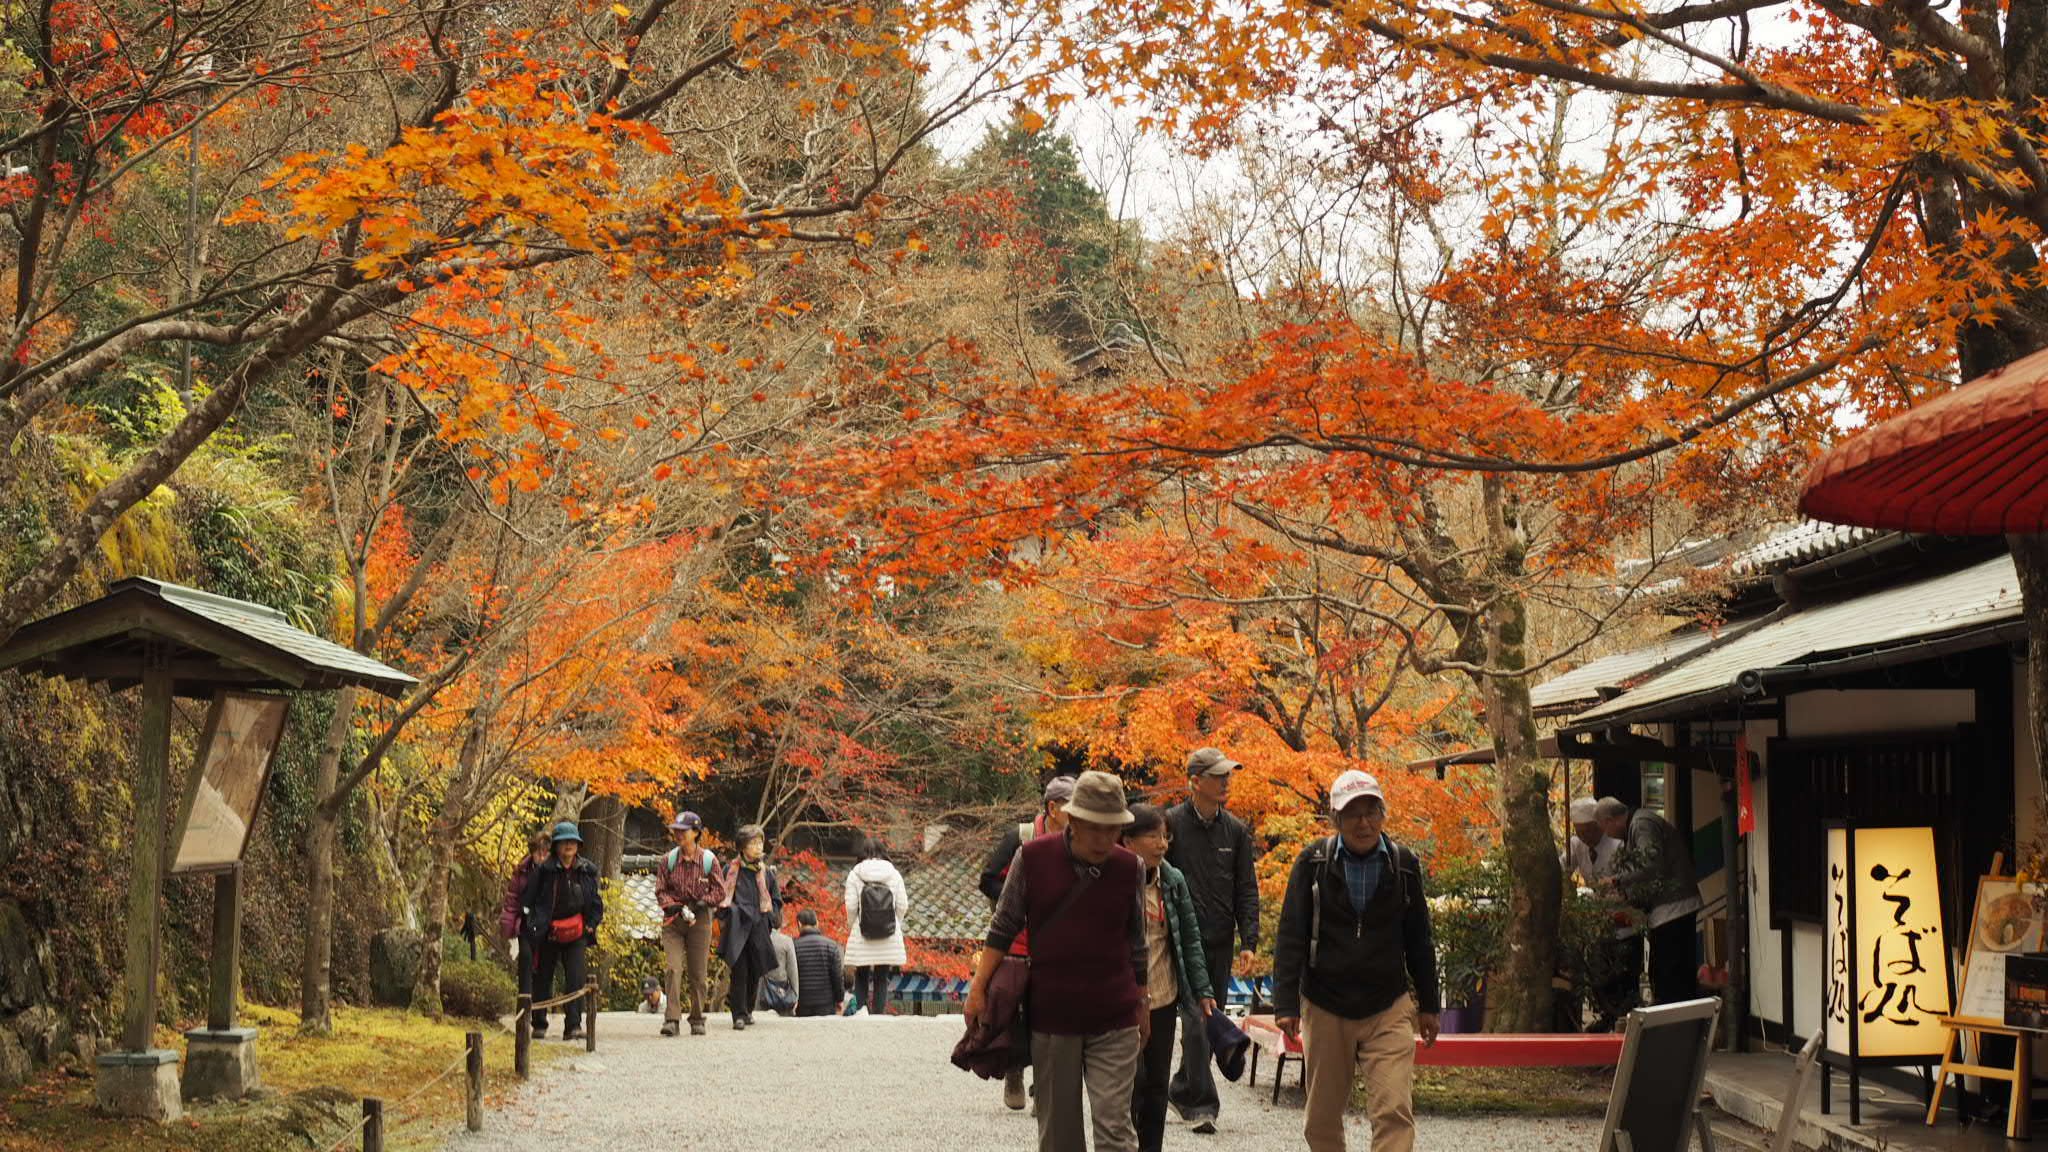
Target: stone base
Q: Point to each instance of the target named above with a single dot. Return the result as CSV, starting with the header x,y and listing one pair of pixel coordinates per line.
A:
x,y
143,1084
220,1065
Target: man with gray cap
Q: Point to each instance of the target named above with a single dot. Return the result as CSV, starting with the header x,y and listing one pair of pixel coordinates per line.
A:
x,y
1081,896
1213,849
1616,966
1051,818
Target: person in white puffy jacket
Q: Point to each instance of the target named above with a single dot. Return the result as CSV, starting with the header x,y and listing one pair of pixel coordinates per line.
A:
x,y
875,905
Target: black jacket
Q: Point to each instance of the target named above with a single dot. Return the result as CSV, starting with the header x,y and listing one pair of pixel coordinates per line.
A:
x,y
1222,870
997,866
1363,961
552,893
820,974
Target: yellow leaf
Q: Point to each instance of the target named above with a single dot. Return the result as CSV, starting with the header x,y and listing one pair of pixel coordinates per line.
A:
x,y
622,11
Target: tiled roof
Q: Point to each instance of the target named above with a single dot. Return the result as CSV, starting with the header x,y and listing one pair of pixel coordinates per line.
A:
x,y
1584,684
1981,595
1801,543
945,899
638,891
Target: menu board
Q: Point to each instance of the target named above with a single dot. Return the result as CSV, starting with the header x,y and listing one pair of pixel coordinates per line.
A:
x,y
2008,919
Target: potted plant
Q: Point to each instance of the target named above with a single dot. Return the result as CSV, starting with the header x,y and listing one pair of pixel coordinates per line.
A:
x,y
1468,913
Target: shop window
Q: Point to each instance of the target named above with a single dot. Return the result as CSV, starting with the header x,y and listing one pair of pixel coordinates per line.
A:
x,y
1873,780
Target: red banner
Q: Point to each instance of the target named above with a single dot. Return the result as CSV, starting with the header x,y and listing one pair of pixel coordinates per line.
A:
x,y
1745,799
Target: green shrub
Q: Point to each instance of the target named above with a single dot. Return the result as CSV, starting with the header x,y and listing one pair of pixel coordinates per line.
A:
x,y
478,989
622,967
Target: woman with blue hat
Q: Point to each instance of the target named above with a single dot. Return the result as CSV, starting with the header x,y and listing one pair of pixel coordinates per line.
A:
x,y
565,910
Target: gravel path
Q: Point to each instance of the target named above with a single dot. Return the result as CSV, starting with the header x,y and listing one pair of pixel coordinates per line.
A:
x,y
862,1085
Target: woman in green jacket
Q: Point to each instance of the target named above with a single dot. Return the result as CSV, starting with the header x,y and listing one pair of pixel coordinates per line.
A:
x,y
1177,972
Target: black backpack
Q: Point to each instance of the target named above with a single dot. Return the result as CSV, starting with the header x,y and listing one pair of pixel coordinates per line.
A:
x,y
877,910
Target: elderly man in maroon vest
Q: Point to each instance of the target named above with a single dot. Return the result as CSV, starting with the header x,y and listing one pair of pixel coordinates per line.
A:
x,y
1079,895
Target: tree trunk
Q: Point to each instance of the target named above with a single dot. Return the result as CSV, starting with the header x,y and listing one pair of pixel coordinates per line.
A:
x,y
426,985
2030,557
1518,996
604,835
316,976
569,801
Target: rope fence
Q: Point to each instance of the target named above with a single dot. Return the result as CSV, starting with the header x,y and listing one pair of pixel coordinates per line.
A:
x,y
522,1024
370,1128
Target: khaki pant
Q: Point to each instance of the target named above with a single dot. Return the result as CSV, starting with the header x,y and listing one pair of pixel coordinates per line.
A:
x,y
1107,1064
1332,1048
686,945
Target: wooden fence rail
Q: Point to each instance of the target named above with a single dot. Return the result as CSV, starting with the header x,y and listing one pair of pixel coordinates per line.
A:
x,y
371,1125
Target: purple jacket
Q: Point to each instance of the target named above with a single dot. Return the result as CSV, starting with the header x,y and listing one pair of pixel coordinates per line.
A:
x,y
1001,1043
512,909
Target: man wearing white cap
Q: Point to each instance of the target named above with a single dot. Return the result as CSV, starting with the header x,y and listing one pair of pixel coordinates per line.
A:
x,y
1617,965
1354,970
1590,851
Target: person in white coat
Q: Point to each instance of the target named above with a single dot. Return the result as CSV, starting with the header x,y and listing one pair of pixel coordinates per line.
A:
x,y
875,905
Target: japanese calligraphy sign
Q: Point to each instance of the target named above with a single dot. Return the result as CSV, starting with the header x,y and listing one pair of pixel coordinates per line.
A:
x,y
1886,952
2010,918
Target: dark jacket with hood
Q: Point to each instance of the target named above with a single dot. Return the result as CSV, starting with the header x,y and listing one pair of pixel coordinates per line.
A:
x,y
1363,959
554,893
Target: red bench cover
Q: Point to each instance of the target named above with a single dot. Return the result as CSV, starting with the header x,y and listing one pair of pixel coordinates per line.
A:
x,y
1481,1049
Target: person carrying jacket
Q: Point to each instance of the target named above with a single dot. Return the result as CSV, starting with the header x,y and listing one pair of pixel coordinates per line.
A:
x,y
1051,818
1353,939
687,887
1214,850
820,967
752,907
875,951
512,908
1080,894
564,907
1177,977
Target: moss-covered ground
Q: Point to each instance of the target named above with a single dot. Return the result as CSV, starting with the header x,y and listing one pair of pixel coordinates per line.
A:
x,y
313,1091
1514,1091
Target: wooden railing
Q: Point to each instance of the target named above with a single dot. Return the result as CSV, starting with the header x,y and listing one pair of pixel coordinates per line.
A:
x,y
371,1126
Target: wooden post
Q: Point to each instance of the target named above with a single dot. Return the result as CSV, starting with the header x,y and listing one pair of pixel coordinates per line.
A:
x,y
522,1039
146,881
373,1125
476,1081
221,1007
590,1024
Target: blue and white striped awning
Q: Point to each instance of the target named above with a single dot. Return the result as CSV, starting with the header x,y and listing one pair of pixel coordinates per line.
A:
x,y
910,987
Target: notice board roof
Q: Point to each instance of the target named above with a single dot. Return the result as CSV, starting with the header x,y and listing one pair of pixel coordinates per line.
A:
x,y
214,642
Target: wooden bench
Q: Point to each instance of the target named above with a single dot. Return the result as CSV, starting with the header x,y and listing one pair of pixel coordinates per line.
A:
x,y
1458,1050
